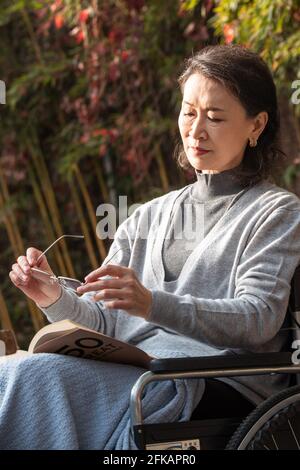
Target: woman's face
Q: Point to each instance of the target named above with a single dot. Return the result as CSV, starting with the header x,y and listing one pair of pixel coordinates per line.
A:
x,y
213,124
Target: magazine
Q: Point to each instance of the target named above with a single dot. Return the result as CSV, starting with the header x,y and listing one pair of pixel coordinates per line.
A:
x,y
72,339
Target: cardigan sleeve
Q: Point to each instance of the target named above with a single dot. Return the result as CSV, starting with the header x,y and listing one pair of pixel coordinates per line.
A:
x,y
262,286
84,309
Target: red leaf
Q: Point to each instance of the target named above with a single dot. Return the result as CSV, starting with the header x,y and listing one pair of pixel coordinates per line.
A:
x,y
228,32
115,35
58,21
125,55
84,15
103,132
79,36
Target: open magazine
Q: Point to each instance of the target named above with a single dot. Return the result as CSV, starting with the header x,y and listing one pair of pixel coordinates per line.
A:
x,y
70,338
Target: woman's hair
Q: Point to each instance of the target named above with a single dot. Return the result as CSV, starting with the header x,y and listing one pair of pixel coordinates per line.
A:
x,y
249,79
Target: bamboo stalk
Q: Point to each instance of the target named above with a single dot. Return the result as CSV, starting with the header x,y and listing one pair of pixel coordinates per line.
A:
x,y
101,181
45,217
56,220
32,36
6,323
95,20
84,227
37,317
9,228
15,235
49,201
162,169
35,314
42,171
91,212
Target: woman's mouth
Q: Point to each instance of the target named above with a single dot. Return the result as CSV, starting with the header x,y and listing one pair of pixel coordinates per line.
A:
x,y
199,151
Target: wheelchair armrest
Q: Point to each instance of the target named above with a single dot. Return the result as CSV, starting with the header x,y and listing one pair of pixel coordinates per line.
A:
x,y
185,364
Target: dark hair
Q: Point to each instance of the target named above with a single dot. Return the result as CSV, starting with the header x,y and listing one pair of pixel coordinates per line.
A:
x,y
248,78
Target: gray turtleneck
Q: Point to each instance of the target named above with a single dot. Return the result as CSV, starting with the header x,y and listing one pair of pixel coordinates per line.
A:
x,y
205,203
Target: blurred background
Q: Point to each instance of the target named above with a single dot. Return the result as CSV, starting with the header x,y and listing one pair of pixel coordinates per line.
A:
x,y
91,113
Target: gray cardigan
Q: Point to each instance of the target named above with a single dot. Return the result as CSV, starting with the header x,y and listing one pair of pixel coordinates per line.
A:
x,y
232,292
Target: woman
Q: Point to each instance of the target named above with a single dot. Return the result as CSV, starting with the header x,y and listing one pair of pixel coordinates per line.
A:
x,y
220,289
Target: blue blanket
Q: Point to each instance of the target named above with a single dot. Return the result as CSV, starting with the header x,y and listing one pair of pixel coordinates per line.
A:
x,y
49,401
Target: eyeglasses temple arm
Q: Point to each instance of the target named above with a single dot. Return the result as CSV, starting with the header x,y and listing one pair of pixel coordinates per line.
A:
x,y
123,249
52,244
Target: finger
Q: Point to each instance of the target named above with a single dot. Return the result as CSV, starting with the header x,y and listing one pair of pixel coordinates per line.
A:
x,y
99,285
32,255
23,278
23,263
108,269
111,294
14,279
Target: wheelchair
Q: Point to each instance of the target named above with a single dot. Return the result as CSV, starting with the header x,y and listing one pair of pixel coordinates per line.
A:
x,y
272,425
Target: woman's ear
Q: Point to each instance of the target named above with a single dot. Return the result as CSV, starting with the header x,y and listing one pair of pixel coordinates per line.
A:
x,y
260,122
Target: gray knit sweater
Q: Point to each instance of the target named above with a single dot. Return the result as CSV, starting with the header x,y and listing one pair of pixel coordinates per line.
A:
x,y
231,294
206,200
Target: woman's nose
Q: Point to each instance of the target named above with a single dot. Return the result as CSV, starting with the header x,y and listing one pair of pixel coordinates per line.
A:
x,y
197,130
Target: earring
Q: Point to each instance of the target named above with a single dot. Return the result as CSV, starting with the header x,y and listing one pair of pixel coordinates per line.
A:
x,y
252,142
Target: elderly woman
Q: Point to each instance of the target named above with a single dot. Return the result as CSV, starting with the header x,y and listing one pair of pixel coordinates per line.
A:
x,y
203,270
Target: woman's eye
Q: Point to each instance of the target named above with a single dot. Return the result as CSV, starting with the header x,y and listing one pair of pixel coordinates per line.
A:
x,y
188,114
214,119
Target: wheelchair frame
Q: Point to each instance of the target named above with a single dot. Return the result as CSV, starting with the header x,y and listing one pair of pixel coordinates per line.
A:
x,y
208,367
166,435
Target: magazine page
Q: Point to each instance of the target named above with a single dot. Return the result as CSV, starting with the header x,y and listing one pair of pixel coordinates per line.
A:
x,y
51,331
89,344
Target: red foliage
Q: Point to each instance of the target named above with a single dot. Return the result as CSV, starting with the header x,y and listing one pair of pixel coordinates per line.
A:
x,y
84,15
115,36
58,20
111,66
125,55
110,134
102,132
79,36
228,31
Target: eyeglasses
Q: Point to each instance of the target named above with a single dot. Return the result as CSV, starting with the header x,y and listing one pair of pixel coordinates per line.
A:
x,y
64,281
49,278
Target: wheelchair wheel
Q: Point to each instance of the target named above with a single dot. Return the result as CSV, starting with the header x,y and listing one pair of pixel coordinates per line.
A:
x,y
273,425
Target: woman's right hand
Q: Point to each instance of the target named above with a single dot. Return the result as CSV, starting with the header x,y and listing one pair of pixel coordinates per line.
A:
x,y
42,293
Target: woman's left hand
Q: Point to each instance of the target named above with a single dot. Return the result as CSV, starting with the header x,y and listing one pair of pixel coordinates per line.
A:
x,y
124,287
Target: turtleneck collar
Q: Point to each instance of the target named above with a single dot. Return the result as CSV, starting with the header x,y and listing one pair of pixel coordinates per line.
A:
x,y
210,185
